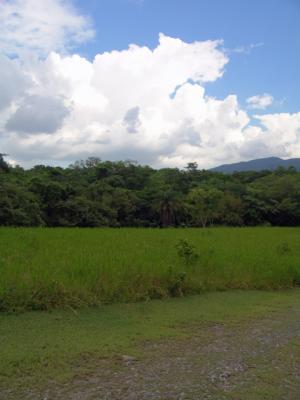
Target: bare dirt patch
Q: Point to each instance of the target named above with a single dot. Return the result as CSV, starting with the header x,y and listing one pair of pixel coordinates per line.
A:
x,y
254,359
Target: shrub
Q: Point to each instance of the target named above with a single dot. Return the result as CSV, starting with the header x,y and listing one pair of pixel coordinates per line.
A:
x,y
186,251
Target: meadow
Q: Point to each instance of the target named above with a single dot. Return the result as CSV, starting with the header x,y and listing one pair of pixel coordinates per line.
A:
x,y
42,268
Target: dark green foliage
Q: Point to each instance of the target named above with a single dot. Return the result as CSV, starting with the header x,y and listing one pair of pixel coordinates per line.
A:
x,y
176,288
4,167
186,251
95,193
188,255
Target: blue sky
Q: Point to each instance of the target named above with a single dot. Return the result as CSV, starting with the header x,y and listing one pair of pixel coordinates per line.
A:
x,y
268,30
214,81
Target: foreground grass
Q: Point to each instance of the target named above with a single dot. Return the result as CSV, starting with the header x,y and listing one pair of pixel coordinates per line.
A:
x,y
51,268
37,347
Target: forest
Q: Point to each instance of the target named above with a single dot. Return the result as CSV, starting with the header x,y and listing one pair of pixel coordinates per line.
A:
x,y
96,193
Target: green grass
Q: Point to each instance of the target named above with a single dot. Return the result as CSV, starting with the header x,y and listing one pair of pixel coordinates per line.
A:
x,y
41,346
51,268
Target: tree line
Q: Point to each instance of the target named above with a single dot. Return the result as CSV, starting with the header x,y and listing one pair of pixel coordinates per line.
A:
x,y
94,193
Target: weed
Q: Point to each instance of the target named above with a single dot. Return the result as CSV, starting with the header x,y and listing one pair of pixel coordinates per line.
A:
x,y
86,267
176,288
283,248
186,251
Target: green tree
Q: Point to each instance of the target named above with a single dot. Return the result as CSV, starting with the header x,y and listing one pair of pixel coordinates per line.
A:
x,y
3,164
204,205
231,210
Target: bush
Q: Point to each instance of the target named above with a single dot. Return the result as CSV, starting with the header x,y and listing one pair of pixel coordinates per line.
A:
x,y
186,251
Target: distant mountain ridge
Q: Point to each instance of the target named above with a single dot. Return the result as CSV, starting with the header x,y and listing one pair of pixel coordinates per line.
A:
x,y
260,164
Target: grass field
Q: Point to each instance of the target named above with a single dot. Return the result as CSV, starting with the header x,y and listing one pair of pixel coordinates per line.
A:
x,y
230,345
50,268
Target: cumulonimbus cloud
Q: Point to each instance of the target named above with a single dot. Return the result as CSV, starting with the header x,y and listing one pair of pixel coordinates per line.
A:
x,y
260,102
38,114
140,103
41,26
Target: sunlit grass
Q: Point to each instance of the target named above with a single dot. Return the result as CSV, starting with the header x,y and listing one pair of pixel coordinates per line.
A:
x,y
50,268
37,346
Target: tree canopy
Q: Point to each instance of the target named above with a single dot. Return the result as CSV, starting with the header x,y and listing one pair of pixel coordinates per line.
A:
x,y
92,193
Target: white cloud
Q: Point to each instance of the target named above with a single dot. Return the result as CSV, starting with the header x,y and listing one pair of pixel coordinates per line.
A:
x,y
38,114
13,81
156,94
246,49
132,120
116,95
41,25
140,103
260,102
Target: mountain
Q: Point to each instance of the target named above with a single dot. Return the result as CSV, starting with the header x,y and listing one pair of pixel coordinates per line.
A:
x,y
258,165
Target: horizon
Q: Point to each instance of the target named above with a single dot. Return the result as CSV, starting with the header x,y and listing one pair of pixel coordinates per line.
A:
x,y
140,164
218,86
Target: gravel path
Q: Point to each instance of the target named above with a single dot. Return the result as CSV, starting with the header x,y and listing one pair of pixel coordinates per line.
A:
x,y
248,360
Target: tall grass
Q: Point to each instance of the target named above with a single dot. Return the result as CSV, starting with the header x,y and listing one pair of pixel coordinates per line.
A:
x,y
47,268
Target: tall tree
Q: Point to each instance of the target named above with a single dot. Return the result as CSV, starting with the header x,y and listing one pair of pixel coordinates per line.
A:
x,y
3,164
205,205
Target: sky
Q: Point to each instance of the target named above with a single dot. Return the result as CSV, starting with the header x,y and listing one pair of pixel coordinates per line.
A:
x,y
162,82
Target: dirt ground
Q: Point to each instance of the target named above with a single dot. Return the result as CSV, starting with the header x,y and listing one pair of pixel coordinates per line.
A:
x,y
250,359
